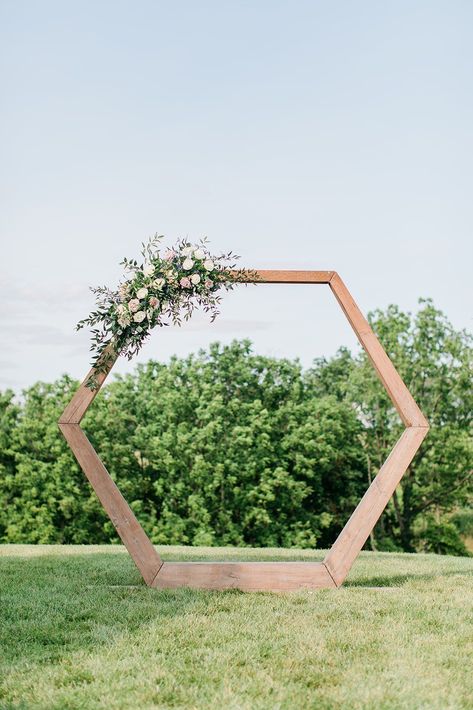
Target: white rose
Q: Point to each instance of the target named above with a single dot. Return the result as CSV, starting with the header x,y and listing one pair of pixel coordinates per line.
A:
x,y
139,317
158,283
187,251
208,264
195,278
148,269
142,293
133,305
187,264
199,253
124,320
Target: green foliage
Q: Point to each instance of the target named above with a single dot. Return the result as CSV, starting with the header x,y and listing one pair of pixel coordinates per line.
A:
x,y
164,289
44,495
441,535
231,448
435,362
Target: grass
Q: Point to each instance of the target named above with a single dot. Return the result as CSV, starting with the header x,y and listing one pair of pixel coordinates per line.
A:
x,y
78,629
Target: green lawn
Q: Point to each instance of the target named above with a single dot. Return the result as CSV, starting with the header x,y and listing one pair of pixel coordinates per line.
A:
x,y
78,629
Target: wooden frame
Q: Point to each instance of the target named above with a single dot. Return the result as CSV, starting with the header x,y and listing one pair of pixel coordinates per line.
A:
x,y
262,576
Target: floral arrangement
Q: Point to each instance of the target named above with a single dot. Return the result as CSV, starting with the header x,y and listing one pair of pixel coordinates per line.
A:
x,y
162,290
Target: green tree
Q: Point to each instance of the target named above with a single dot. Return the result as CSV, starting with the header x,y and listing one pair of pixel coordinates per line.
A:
x,y
435,362
9,412
44,495
228,447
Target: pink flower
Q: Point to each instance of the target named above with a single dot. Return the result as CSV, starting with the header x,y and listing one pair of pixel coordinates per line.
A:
x,y
169,255
208,283
185,282
134,305
153,302
124,291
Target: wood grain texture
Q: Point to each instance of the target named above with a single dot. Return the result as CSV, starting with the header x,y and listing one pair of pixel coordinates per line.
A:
x,y
245,576
387,373
261,576
131,533
84,396
271,276
365,516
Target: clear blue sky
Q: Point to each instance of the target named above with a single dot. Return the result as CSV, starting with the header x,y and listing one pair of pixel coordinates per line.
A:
x,y
299,134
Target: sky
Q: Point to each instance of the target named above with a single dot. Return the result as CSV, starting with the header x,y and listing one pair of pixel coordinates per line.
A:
x,y
298,134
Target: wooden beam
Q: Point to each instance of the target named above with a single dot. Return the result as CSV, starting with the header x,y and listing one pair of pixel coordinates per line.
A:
x,y
365,516
260,576
245,576
84,396
387,373
131,533
272,276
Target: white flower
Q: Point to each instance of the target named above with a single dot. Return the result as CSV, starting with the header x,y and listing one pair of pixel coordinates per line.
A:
x,y
158,283
148,269
123,315
187,264
199,253
133,305
139,317
208,264
142,293
124,320
195,278
187,251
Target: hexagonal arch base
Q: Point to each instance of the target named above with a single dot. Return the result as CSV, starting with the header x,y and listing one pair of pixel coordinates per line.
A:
x,y
261,576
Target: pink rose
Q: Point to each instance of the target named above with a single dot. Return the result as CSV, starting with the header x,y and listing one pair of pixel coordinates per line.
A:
x,y
185,282
208,283
153,302
134,305
169,255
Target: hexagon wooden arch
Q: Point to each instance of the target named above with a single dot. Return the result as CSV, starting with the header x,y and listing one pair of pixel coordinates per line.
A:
x,y
262,576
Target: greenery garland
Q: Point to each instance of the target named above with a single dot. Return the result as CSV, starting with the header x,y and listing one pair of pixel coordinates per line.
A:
x,y
163,290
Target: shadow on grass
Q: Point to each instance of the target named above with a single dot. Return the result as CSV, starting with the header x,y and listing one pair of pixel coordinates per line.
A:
x,y
398,580
54,605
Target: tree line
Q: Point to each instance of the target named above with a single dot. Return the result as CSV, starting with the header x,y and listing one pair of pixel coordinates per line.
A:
x,y
228,447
